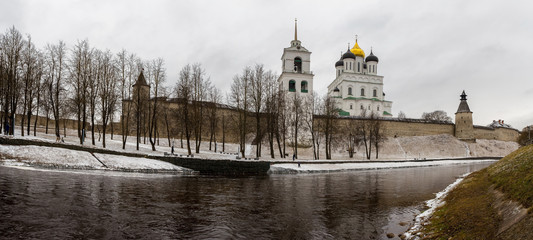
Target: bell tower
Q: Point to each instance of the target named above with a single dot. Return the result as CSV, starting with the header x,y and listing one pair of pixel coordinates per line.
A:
x,y
296,84
296,75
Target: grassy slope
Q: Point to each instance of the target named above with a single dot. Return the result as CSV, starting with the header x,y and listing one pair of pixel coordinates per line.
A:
x,y
468,212
513,175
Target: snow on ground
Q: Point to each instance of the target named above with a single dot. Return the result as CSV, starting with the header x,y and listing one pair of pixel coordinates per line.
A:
x,y
400,148
133,163
66,158
432,204
50,157
325,167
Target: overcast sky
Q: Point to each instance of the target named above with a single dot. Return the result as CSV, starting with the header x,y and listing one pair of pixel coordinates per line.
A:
x,y
429,51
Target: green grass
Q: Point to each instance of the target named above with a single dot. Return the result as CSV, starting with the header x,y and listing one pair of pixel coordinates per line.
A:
x,y
469,212
513,175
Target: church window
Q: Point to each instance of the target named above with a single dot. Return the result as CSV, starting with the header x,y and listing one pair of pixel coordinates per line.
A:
x,y
292,86
362,107
375,93
351,106
358,67
298,65
378,108
304,86
349,91
350,66
362,91
368,107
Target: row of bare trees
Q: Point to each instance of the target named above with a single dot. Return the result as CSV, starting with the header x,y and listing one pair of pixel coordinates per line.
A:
x,y
95,87
61,82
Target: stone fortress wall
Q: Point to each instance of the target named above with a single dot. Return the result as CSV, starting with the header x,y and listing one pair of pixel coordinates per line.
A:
x,y
416,127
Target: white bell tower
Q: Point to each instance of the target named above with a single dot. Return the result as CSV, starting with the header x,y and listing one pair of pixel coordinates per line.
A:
x,y
296,82
296,75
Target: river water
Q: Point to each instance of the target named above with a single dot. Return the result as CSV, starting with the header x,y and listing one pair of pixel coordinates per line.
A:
x,y
102,205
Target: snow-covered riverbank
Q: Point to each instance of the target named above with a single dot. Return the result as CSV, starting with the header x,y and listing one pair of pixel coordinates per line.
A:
x,y
50,157
340,167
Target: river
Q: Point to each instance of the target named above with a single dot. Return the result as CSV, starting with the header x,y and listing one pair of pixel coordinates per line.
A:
x,y
46,204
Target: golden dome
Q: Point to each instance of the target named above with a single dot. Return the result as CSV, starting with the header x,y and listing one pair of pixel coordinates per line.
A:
x,y
357,50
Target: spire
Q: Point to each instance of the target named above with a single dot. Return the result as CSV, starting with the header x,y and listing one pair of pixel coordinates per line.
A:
x,y
295,29
463,106
463,96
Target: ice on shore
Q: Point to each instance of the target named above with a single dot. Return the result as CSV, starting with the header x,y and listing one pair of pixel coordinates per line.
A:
x,y
306,167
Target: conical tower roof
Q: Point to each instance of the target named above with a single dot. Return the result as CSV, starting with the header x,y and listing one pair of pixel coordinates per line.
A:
x,y
463,106
141,81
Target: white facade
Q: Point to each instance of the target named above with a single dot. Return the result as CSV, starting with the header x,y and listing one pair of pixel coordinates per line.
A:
x,y
296,75
296,82
357,87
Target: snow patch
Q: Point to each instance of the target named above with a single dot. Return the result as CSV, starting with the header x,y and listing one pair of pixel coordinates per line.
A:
x,y
50,157
306,167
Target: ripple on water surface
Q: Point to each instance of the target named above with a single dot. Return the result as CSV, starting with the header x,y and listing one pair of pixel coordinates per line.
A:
x,y
363,204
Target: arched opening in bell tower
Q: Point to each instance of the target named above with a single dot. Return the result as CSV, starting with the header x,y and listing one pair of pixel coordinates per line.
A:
x,y
298,64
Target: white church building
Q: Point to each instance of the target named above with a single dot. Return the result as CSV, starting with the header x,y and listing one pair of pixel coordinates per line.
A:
x,y
357,87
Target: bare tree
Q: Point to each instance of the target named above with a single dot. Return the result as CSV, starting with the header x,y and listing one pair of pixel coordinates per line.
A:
x,y
200,85
95,76
437,116
271,110
12,44
55,66
239,99
214,100
312,125
296,110
184,91
329,115
107,90
80,70
158,76
29,66
256,96
377,132
401,115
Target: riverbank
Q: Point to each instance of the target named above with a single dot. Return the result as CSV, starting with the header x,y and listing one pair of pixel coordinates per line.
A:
x,y
38,153
494,203
309,167
400,148
61,158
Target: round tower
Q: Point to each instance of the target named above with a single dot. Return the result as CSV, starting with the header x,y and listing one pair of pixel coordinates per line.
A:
x,y
464,126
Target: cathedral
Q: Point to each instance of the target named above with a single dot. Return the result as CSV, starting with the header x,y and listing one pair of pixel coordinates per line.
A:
x,y
357,87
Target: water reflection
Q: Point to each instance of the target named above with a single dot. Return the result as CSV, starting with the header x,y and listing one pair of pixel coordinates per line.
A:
x,y
361,205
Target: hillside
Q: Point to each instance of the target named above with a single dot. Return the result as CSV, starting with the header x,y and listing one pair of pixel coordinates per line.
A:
x,y
494,203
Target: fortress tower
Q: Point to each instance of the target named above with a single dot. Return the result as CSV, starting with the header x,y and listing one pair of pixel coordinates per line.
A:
x,y
141,90
464,125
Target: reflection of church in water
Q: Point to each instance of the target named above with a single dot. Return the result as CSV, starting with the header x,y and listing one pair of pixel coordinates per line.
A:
x,y
357,87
